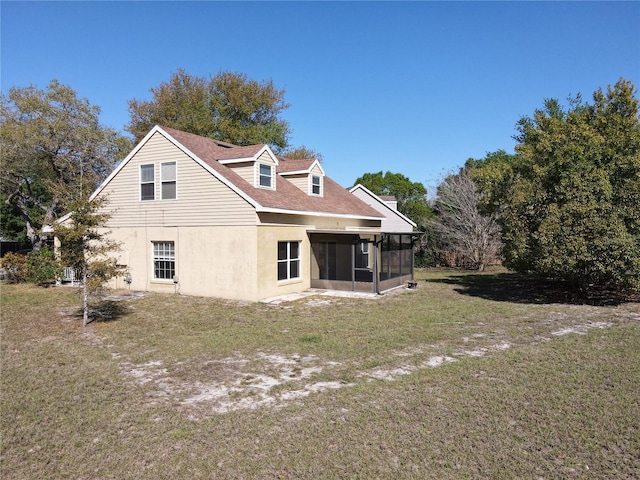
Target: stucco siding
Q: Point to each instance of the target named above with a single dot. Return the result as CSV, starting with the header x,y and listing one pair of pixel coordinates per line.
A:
x,y
201,199
209,261
267,260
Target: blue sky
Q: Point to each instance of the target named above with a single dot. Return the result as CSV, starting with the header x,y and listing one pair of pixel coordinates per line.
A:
x,y
410,87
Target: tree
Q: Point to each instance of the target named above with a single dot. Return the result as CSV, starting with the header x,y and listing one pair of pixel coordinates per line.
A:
x,y
52,143
469,234
492,175
573,209
301,153
411,196
85,246
228,107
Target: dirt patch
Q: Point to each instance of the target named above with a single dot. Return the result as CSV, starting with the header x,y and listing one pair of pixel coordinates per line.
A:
x,y
269,380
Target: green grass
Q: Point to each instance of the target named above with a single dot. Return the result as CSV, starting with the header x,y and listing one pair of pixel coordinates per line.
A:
x,y
535,385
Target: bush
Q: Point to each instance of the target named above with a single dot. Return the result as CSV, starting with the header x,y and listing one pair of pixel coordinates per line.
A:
x,y
15,267
43,267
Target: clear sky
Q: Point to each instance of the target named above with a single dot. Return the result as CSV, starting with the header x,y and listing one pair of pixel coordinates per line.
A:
x,y
411,87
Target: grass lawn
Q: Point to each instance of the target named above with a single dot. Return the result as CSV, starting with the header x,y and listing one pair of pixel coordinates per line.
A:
x,y
468,376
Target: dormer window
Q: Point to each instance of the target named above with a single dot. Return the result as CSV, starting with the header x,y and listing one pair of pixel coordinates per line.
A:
x,y
316,185
265,175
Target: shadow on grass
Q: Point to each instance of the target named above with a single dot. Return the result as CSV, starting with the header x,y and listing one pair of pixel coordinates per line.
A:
x,y
105,311
518,288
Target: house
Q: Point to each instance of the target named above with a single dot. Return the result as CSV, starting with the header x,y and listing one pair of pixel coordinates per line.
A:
x,y
204,217
393,220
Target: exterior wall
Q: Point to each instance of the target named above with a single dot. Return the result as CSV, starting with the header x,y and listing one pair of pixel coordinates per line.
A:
x,y
267,260
300,181
316,170
202,199
223,248
321,223
392,221
209,261
246,170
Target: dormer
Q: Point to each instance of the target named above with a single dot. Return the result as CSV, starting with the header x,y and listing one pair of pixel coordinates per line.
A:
x,y
307,175
256,164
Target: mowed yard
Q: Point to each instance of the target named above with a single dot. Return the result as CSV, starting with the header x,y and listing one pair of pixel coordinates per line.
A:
x,y
468,376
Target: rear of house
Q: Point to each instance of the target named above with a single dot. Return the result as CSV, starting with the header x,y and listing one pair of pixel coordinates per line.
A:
x,y
203,217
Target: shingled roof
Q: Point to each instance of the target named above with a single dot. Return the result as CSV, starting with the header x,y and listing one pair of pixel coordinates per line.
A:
x,y
286,197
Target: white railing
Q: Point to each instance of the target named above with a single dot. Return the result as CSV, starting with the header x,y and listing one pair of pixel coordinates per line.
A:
x,y
69,274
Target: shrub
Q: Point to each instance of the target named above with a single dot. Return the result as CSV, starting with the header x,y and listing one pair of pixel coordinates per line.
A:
x,y
15,266
42,266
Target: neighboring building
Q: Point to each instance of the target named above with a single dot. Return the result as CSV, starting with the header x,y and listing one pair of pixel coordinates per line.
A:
x,y
398,234
203,217
394,221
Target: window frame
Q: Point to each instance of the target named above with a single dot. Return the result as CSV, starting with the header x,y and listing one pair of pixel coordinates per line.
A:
x,y
166,255
151,182
262,176
289,262
173,181
313,185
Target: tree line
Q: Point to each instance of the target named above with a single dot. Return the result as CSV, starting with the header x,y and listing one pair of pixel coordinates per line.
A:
x,y
564,205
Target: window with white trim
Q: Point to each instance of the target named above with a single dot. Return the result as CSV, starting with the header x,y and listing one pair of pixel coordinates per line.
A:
x,y
316,184
164,260
288,260
168,176
147,182
265,176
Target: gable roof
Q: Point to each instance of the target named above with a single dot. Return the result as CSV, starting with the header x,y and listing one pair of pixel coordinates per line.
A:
x,y
289,166
381,200
285,198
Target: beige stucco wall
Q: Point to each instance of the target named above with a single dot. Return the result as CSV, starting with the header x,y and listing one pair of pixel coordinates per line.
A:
x,y
268,238
209,261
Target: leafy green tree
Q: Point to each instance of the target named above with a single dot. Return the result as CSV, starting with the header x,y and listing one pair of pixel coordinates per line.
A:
x,y
228,107
493,176
573,208
85,246
411,196
52,143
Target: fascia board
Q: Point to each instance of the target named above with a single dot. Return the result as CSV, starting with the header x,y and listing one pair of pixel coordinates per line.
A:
x,y
122,164
186,151
316,162
381,202
236,160
254,158
316,214
305,171
204,165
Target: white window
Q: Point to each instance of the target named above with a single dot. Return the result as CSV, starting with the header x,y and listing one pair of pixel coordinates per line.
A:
x,y
265,175
147,182
316,184
288,260
168,173
164,260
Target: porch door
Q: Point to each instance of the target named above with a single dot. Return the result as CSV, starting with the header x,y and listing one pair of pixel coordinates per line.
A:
x,y
327,260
